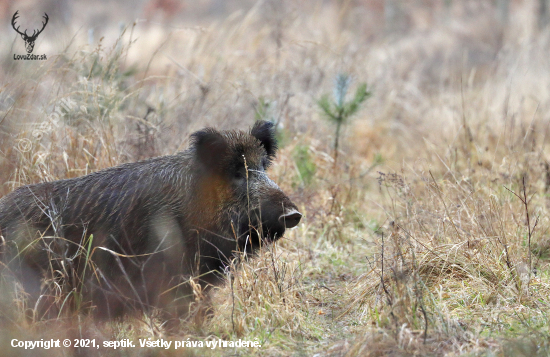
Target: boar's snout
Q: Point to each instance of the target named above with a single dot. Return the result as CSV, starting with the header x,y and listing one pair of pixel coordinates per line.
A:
x,y
278,213
291,218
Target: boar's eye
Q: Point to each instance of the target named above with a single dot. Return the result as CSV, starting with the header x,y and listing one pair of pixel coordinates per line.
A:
x,y
239,174
265,164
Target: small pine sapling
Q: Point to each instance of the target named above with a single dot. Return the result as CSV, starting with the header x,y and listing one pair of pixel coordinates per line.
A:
x,y
338,110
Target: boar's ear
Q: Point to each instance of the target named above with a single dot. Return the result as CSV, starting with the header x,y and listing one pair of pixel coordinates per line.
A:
x,y
265,132
210,147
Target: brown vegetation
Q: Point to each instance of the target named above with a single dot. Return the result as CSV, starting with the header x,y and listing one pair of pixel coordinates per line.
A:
x,y
430,234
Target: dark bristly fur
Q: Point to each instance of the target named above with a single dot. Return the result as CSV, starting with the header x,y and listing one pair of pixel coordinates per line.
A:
x,y
154,224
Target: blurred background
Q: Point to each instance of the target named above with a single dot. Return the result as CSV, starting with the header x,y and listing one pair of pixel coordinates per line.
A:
x,y
150,72
287,53
459,111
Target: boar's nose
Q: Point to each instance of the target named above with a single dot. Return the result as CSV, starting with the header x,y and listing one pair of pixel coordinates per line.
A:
x,y
291,218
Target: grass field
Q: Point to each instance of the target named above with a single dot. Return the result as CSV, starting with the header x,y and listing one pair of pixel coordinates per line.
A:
x,y
428,236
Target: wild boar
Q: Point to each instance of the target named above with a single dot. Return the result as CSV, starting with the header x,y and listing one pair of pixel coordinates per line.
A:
x,y
131,237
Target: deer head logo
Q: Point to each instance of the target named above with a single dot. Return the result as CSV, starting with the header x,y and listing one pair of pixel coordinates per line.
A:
x,y
29,40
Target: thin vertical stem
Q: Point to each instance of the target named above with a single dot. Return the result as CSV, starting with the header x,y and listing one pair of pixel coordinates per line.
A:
x,y
336,141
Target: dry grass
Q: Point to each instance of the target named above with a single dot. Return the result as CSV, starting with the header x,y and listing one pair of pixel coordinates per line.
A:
x,y
430,237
